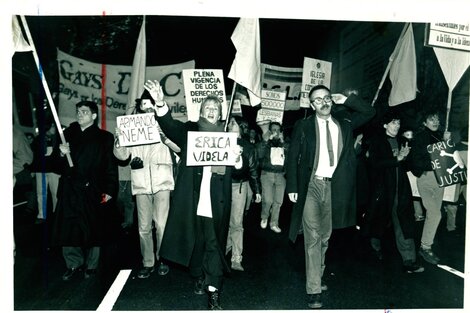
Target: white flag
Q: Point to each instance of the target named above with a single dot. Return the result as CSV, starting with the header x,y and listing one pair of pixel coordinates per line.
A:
x,y
19,43
246,67
453,63
138,70
403,70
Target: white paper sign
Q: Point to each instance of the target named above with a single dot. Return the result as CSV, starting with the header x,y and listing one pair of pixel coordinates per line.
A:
x,y
211,148
198,84
315,72
272,106
138,129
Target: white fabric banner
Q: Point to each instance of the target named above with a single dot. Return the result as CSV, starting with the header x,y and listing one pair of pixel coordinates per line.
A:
x,y
83,80
286,79
453,63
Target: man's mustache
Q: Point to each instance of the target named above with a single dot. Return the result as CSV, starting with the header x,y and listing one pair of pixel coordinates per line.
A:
x,y
325,106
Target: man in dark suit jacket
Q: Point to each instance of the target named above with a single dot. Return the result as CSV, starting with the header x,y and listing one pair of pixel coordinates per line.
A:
x,y
322,163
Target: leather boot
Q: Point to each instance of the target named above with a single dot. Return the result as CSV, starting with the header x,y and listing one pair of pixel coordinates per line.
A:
x,y
214,300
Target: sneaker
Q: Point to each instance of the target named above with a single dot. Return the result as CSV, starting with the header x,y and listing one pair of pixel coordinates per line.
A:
x,y
145,272
163,269
214,301
419,218
324,287
412,267
237,266
90,273
70,273
314,301
264,224
275,229
199,286
428,255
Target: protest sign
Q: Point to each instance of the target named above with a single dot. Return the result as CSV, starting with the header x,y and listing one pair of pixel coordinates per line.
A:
x,y
315,72
211,148
272,106
447,163
198,84
287,79
80,80
138,129
451,193
236,107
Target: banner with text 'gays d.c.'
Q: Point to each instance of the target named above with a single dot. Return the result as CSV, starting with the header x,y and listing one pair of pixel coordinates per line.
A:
x,y
138,129
83,80
211,148
200,83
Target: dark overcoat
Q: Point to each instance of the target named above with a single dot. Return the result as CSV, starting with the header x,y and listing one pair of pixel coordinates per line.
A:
x,y
80,219
180,230
302,161
387,176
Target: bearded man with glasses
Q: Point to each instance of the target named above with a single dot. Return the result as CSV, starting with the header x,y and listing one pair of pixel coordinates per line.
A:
x,y
321,162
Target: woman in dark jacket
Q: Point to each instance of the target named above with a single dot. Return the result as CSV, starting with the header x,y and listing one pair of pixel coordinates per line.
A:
x,y
391,197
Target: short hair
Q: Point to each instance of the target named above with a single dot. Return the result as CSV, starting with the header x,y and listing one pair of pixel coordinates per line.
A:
x,y
427,113
212,98
318,87
90,104
389,116
275,123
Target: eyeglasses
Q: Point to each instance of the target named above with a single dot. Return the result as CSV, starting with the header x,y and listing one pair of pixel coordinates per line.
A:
x,y
318,101
83,112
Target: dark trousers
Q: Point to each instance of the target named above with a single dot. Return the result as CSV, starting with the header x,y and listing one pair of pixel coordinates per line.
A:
x,y
206,259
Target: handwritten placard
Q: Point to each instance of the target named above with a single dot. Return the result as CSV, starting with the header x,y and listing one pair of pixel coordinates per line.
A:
x,y
315,72
211,148
138,129
272,106
198,84
447,163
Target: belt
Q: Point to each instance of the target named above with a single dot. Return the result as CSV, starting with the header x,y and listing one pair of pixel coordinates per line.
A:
x,y
323,178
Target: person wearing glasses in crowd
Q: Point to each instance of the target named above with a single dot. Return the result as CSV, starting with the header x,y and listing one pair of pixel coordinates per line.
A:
x,y
321,171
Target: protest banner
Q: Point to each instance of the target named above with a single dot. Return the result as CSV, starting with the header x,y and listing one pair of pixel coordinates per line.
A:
x,y
211,148
315,72
447,163
138,129
83,80
272,106
285,79
448,35
198,84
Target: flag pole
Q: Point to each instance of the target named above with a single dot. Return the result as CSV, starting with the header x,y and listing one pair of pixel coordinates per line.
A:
x,y
390,60
229,109
46,88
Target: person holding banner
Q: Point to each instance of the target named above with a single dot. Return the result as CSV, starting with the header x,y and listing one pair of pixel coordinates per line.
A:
x,y
321,177
152,181
429,190
243,179
197,226
85,205
391,199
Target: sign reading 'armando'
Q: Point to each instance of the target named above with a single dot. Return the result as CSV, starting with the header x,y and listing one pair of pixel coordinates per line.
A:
x,y
138,129
211,148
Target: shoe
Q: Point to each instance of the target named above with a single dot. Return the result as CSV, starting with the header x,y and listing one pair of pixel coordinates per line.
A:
x,y
428,255
264,223
324,287
199,286
419,218
314,301
90,273
70,273
214,301
145,272
412,267
163,269
275,229
237,266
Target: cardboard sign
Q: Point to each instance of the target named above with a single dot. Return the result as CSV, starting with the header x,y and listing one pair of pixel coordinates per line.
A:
x,y
198,84
138,129
211,148
272,106
315,72
447,163
451,193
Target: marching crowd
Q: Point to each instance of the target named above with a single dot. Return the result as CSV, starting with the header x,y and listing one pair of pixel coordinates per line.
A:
x,y
197,212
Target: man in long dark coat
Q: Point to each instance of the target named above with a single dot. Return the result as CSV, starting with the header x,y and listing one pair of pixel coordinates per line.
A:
x,y
85,191
321,184
197,226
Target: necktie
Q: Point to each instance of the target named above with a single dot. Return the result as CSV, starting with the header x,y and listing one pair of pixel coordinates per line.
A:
x,y
329,144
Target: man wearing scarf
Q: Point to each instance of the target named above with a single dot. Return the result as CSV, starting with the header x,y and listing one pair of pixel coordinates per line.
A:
x,y
197,225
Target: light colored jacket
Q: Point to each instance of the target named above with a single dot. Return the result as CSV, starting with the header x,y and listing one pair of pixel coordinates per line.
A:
x,y
157,173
